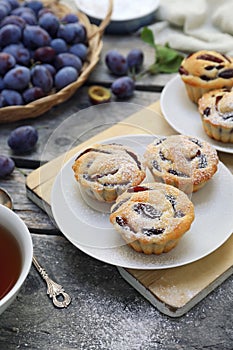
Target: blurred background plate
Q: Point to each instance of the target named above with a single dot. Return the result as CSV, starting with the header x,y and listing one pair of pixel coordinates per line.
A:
x,y
127,16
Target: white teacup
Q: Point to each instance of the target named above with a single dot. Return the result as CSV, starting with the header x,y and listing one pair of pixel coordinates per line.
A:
x,y
19,230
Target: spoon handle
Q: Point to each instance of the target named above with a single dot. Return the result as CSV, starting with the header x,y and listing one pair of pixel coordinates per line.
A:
x,y
54,290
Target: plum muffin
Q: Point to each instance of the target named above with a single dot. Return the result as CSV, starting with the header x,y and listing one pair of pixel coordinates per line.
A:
x,y
216,110
181,161
205,70
104,171
152,217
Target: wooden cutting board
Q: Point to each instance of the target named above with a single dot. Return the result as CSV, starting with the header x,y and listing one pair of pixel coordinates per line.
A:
x,y
173,291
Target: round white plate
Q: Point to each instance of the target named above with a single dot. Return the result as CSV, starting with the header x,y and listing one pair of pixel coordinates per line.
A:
x,y
123,10
87,226
183,115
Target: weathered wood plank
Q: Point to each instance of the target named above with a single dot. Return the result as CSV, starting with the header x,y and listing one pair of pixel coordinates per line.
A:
x,y
35,218
124,45
49,122
106,312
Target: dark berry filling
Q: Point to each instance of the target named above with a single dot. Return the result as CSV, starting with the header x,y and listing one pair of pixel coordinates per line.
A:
x,y
210,67
96,177
196,141
123,223
226,74
208,57
196,155
202,161
177,173
162,156
152,231
87,177
214,67
172,200
91,150
147,210
137,189
118,205
179,214
205,77
228,117
183,71
135,158
217,99
124,183
206,111
156,166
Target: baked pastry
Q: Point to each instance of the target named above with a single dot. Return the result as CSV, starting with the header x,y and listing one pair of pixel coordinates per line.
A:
x,y
181,161
152,217
216,110
205,70
105,171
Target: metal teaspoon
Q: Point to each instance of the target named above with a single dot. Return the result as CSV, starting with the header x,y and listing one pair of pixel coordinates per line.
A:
x,y
54,290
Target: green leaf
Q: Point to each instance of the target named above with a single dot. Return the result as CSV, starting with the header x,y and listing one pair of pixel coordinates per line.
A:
x,y
167,60
165,54
172,67
148,36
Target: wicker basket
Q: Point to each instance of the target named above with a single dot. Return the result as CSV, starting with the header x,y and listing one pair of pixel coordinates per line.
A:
x,y
42,105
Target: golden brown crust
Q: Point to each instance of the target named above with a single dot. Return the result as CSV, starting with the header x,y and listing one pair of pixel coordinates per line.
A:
x,y
205,70
105,171
182,161
152,217
216,110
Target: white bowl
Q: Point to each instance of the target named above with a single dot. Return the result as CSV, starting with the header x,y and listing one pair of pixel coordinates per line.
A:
x,y
127,15
19,230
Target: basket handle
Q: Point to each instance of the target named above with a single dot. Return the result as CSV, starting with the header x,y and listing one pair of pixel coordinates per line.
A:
x,y
100,29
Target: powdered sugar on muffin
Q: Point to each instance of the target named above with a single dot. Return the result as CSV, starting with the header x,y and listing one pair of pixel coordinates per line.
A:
x,y
105,171
181,161
216,110
152,217
205,70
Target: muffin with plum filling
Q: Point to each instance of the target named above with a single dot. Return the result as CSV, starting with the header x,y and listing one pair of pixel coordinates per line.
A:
x,y
205,70
104,171
152,217
181,161
216,110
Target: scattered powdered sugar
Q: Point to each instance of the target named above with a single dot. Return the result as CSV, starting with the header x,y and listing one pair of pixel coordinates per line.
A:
x,y
220,119
117,166
126,257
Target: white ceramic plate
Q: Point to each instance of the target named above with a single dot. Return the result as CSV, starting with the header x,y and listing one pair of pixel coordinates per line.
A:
x,y
90,231
127,15
183,115
123,10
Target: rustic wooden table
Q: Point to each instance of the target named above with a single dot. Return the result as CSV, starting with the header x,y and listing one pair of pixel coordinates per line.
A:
x,y
106,312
